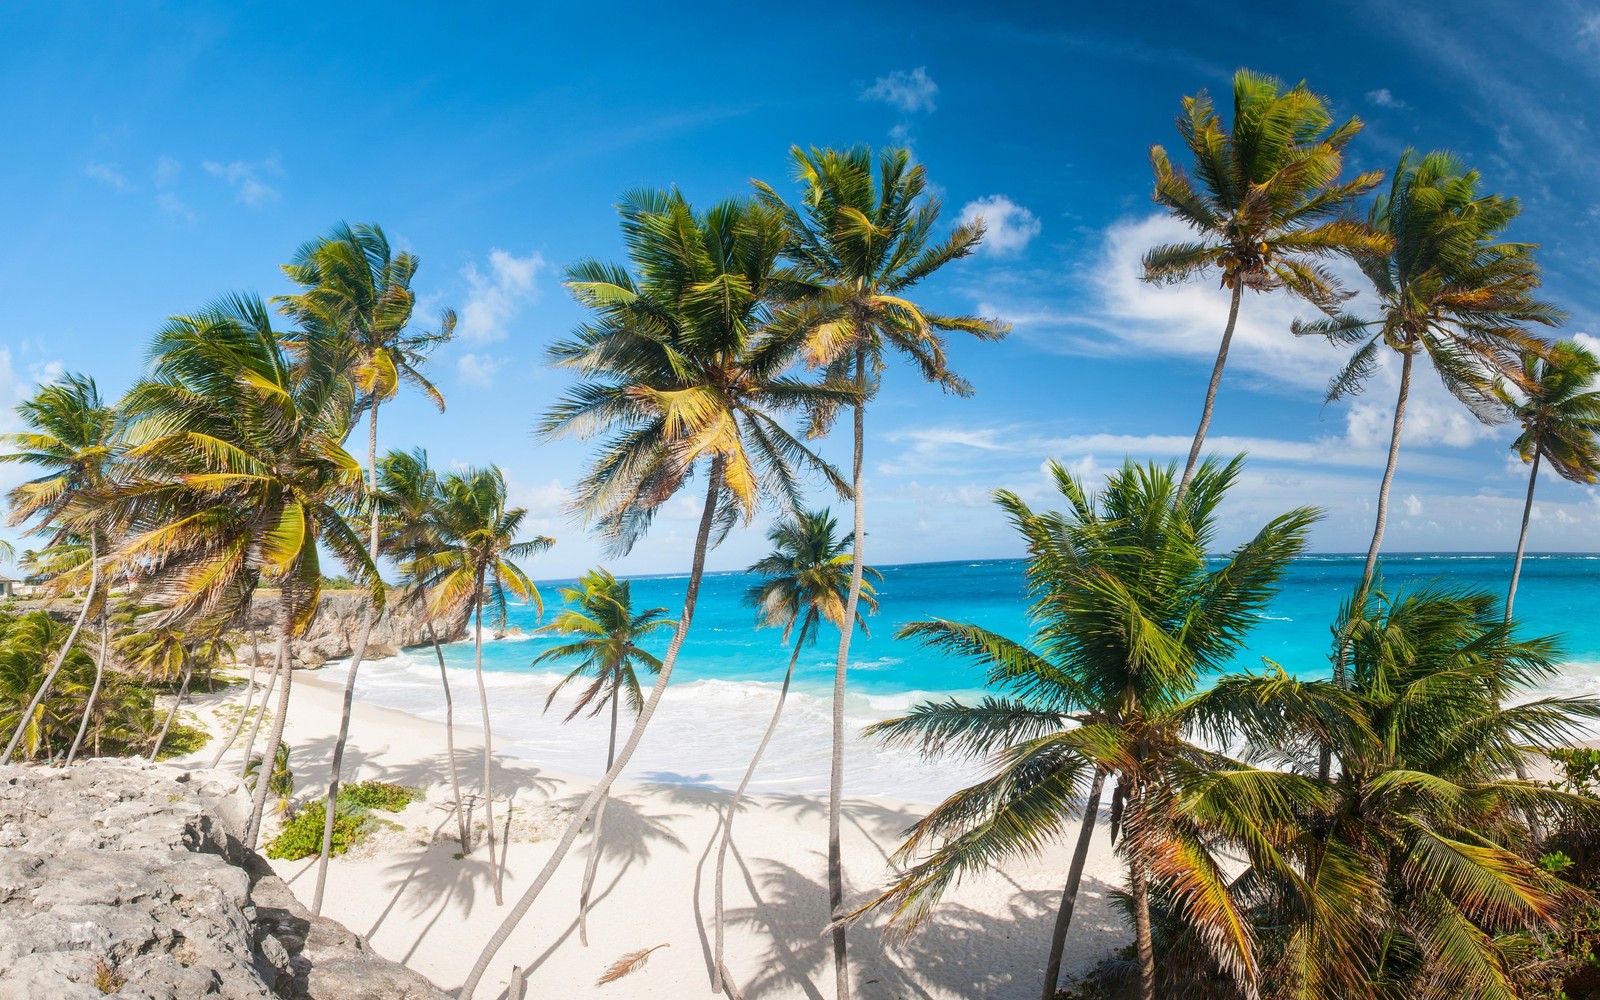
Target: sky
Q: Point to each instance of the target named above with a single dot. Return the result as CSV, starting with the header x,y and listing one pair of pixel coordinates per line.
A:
x,y
163,154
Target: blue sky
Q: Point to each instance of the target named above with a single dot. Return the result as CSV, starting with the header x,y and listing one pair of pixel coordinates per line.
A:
x,y
162,154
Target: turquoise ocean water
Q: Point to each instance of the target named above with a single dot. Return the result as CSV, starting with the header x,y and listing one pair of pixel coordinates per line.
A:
x,y
725,685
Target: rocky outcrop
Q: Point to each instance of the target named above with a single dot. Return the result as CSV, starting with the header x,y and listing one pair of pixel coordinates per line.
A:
x,y
333,632
130,880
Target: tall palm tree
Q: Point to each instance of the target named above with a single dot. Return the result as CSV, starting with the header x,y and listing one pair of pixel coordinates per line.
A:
x,y
68,567
1559,410
683,371
237,472
43,722
357,289
605,633
1128,618
807,581
1449,288
1270,209
475,566
72,439
863,245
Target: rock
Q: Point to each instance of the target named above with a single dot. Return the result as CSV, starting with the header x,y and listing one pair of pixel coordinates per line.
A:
x,y
130,880
333,632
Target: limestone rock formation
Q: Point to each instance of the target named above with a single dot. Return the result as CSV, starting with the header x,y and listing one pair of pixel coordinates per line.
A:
x,y
129,880
333,632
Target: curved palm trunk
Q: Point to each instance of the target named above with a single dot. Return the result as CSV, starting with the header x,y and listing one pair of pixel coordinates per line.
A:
x,y
1143,941
356,657
841,967
61,657
450,740
1522,539
1069,895
94,692
690,597
599,823
488,737
269,754
1211,393
249,699
718,970
183,689
261,713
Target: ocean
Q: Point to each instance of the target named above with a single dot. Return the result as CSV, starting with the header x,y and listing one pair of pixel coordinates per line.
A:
x,y
725,684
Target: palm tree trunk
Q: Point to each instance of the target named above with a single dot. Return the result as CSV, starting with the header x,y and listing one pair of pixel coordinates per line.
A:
x,y
249,699
690,597
488,735
1144,943
269,754
61,657
1522,539
599,823
94,692
261,713
718,972
841,966
1211,392
1069,895
357,655
450,739
183,689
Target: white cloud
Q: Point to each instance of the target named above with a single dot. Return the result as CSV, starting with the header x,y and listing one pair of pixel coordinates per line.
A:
x,y
477,369
167,171
1413,505
1383,98
495,298
174,206
1007,226
245,178
111,176
910,91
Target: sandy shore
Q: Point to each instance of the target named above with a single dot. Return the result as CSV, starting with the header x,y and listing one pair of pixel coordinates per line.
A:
x,y
419,903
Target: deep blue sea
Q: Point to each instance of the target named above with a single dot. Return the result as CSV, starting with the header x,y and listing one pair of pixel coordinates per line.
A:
x,y
725,684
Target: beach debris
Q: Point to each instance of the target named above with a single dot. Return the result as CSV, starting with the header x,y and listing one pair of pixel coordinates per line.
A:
x,y
630,963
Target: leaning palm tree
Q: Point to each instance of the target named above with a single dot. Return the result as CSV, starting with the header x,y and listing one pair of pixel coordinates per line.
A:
x,y
68,566
237,474
1129,617
475,566
1270,209
358,290
72,439
807,582
682,369
864,246
605,633
1559,410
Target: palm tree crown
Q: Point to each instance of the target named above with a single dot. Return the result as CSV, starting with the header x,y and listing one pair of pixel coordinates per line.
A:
x,y
807,577
605,633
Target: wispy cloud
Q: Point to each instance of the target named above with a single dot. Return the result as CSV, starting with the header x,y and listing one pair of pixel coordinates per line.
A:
x,y
167,171
1384,98
111,176
908,90
478,369
1008,226
176,207
246,179
494,298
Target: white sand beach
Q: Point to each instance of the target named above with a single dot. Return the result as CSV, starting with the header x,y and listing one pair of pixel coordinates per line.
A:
x,y
418,903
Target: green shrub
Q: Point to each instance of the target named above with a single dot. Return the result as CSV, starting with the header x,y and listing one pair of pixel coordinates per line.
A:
x,y
378,795
302,836
183,739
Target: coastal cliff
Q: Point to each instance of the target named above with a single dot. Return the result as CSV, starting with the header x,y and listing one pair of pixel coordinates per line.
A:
x,y
333,632
130,880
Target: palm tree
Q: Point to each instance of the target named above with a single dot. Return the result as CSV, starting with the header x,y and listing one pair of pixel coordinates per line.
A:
x,y
1560,418
605,632
807,582
357,289
238,473
683,370
42,722
1270,211
1128,618
1450,289
68,566
863,247
73,441
475,566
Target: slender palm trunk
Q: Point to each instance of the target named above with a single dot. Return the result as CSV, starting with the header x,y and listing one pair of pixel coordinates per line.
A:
x,y
94,692
1069,895
599,823
690,597
61,657
1211,392
357,655
718,970
269,755
249,699
450,740
488,735
1522,539
1144,943
841,966
261,713
183,689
